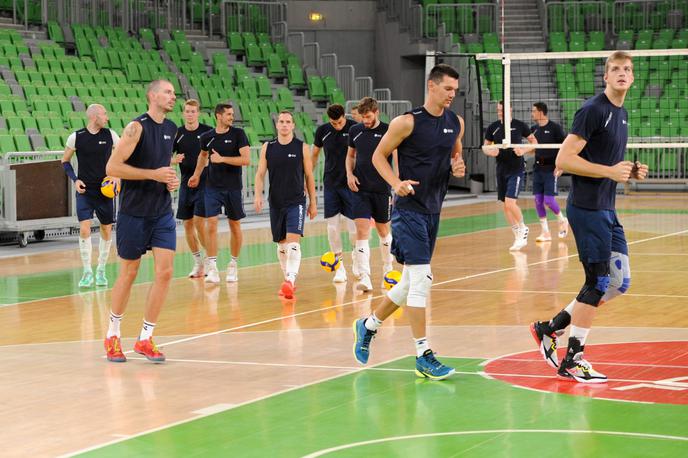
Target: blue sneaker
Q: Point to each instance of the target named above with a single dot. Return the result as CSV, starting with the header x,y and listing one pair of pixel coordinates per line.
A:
x,y
428,366
362,338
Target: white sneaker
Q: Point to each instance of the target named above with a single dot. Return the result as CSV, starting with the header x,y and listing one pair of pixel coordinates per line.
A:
x,y
232,272
340,275
521,239
206,266
544,237
197,271
563,228
213,276
364,283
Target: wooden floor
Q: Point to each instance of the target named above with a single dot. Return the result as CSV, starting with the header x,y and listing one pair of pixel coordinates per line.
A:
x,y
231,344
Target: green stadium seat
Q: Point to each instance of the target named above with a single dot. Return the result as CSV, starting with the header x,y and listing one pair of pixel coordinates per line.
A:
x,y
235,43
254,57
275,67
316,89
21,142
264,88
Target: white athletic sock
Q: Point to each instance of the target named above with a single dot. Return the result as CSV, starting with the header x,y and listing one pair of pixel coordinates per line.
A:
x,y
86,249
544,225
212,262
522,225
282,256
579,333
146,330
421,346
113,327
293,260
103,252
386,250
515,229
372,322
363,256
198,259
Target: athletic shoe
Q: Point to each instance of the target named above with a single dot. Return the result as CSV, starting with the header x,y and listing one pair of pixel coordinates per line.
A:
x,y
362,338
574,368
287,289
563,228
340,275
148,349
364,284
521,239
213,276
206,266
86,279
101,279
547,343
232,272
113,350
544,237
197,271
428,366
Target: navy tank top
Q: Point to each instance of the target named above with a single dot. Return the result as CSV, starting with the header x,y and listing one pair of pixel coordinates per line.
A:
x,y
154,150
92,153
425,156
285,168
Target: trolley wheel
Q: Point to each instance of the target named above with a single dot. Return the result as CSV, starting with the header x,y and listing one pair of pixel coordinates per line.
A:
x,y
39,235
22,240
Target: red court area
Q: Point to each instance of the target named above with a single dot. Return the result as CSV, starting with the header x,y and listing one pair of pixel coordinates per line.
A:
x,y
640,371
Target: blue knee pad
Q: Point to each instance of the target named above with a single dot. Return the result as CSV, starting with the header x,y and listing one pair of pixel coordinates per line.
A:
x,y
597,280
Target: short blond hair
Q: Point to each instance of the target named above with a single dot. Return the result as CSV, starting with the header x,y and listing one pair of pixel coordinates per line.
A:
x,y
617,56
367,104
193,103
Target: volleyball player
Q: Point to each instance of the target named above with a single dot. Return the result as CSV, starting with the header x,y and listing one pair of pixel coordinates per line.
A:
x,y
145,222
288,162
93,146
333,137
593,153
355,114
227,149
370,192
545,173
191,204
428,144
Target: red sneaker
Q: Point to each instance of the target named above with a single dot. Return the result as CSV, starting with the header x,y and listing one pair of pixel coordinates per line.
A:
x,y
287,290
148,349
113,350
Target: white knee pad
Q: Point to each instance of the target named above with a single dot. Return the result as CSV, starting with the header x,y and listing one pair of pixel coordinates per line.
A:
x,y
619,276
333,235
421,281
400,291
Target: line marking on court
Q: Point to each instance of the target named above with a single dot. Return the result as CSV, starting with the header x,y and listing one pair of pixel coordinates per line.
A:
x,y
494,432
188,420
319,310
213,409
675,296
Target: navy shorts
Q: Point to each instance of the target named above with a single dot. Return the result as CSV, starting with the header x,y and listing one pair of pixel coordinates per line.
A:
x,y
87,204
191,202
509,185
338,200
413,236
287,220
233,202
597,233
544,182
372,205
138,234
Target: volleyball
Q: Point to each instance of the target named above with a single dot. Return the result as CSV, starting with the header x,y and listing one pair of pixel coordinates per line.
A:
x,y
109,187
329,262
391,278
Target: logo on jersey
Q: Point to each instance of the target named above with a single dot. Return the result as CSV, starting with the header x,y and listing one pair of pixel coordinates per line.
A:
x,y
291,155
448,131
228,141
198,137
623,121
167,137
377,135
609,118
346,134
547,131
102,143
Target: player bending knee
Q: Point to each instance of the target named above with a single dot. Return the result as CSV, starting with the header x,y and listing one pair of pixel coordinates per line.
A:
x,y
597,279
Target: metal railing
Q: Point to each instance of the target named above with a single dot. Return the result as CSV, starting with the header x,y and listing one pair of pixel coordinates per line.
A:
x,y
408,13
644,14
461,18
346,75
577,16
363,87
382,94
251,16
328,65
391,108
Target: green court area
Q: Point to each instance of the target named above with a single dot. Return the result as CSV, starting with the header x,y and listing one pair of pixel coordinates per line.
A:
x,y
387,411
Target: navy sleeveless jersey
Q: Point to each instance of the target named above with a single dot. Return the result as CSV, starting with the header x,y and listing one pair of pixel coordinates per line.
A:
x,y
605,128
336,144
92,153
425,156
549,133
154,150
365,141
507,161
188,143
285,169
228,144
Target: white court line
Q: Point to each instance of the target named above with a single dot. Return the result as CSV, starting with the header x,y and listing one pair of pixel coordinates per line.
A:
x,y
492,432
465,277
459,290
606,363
188,420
